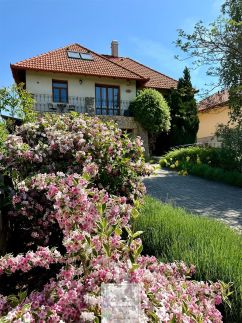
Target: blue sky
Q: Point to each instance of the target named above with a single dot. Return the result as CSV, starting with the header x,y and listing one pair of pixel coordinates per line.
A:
x,y
145,29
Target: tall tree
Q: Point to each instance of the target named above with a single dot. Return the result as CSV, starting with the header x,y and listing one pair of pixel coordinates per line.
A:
x,y
184,118
219,47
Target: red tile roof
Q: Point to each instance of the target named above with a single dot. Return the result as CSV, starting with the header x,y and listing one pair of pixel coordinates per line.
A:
x,y
58,61
156,79
214,100
101,65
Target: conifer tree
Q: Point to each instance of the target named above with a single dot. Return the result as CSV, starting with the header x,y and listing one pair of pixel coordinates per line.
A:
x,y
184,118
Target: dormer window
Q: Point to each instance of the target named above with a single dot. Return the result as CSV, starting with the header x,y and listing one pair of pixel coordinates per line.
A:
x,y
78,55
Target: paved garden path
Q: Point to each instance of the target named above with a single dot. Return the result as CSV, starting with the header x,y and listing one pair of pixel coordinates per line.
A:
x,y
198,195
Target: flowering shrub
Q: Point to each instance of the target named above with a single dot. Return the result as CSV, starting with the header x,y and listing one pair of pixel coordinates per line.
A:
x,y
91,222
73,233
48,206
81,144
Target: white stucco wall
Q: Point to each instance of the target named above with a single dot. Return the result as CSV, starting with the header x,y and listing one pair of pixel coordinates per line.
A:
x,y
41,83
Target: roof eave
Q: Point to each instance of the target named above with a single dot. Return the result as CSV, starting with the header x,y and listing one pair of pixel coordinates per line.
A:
x,y
217,106
17,67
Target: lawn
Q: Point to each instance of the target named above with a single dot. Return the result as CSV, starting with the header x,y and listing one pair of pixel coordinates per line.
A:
x,y
215,249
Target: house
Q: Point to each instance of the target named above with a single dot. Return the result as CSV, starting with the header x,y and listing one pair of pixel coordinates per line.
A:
x,y
212,111
75,78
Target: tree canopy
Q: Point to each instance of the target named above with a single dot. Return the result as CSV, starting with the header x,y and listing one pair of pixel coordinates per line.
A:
x,y
184,118
219,47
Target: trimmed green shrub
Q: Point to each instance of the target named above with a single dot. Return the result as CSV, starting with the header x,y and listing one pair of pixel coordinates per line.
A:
x,y
210,163
214,157
215,249
216,174
151,110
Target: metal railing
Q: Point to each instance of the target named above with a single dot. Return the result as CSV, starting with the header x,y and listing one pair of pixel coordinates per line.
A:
x,y
112,108
44,103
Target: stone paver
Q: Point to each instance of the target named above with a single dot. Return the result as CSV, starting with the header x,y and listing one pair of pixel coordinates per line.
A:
x,y
198,195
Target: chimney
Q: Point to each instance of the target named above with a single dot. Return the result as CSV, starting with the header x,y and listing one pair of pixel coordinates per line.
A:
x,y
114,47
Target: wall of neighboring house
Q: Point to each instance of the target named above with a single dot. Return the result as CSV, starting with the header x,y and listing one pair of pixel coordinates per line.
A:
x,y
41,83
208,121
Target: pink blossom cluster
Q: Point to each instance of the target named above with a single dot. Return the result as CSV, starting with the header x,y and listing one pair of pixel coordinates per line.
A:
x,y
92,223
67,201
166,294
81,144
42,257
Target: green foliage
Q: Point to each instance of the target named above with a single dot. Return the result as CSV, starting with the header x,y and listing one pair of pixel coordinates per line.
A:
x,y
184,118
151,110
219,47
215,173
214,157
232,143
16,102
215,249
3,134
211,163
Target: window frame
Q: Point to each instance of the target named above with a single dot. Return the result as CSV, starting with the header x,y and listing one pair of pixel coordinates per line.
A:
x,y
107,86
69,52
86,57
63,88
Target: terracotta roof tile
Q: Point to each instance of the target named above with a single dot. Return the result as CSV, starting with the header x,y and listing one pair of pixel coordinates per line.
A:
x,y
213,101
156,79
101,65
58,61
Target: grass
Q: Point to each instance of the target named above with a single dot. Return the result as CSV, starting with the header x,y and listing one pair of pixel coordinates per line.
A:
x,y
215,249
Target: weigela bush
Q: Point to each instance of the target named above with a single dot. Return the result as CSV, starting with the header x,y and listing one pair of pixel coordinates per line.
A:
x,y
48,205
76,189
91,222
81,144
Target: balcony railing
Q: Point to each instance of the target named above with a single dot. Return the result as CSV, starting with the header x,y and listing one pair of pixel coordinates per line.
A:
x,y
44,103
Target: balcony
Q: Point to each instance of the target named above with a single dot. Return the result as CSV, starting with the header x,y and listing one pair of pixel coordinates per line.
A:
x,y
44,103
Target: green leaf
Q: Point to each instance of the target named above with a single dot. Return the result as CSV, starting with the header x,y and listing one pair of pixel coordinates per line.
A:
x,y
134,267
107,249
128,231
136,234
118,231
139,250
88,239
134,213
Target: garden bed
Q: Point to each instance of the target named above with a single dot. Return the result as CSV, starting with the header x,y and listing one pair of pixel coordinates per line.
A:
x,y
210,163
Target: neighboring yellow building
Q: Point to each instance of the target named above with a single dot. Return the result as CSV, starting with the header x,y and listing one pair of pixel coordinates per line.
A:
x,y
212,111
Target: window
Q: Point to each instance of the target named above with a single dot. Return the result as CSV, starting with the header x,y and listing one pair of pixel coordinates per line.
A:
x,y
86,56
60,91
107,100
78,55
73,55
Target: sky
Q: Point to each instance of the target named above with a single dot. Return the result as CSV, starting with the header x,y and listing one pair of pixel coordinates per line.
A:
x,y
145,29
